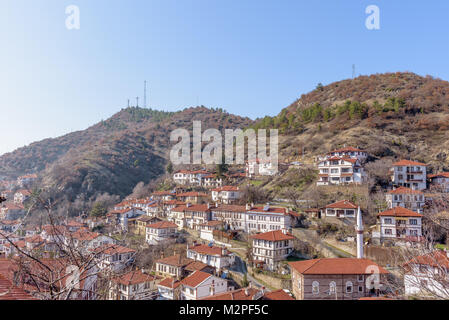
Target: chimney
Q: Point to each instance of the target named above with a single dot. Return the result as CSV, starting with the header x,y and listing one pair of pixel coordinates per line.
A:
x,y
252,204
188,204
263,290
248,207
224,251
246,292
284,231
359,229
208,205
287,210
213,288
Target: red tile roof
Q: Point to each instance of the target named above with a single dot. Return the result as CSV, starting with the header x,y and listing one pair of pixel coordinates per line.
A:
x,y
277,295
277,235
196,265
404,190
408,163
191,194
239,294
270,210
111,249
434,259
226,188
163,225
336,266
399,212
229,208
342,204
195,279
133,277
193,207
439,175
169,283
205,249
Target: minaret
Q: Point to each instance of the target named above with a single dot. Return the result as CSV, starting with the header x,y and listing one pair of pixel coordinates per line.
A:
x,y
359,229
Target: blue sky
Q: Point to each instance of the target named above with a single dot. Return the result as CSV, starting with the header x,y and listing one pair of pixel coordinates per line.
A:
x,y
249,57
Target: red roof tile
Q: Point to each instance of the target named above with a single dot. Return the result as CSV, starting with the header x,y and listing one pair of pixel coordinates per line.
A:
x,y
408,163
195,279
342,204
205,249
169,283
133,277
404,190
335,266
399,212
277,235
277,295
239,294
163,225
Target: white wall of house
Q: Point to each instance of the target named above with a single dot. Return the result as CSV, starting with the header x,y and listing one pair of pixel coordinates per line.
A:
x,y
413,177
392,227
210,286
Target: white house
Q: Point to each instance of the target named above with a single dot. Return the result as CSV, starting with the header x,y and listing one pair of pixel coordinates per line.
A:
x,y
200,285
271,247
259,167
410,174
21,196
213,256
226,194
268,218
340,170
191,215
159,232
211,180
133,285
169,289
253,219
401,224
428,275
26,179
341,209
440,181
120,217
86,240
207,229
348,152
407,198
114,257
187,177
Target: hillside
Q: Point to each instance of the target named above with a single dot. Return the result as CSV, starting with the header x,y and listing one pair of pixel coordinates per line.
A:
x,y
389,115
113,155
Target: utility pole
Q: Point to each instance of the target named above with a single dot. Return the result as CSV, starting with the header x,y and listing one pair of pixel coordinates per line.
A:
x,y
137,99
353,71
145,94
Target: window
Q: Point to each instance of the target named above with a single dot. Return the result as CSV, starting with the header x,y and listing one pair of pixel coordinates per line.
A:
x,y
360,277
360,289
388,221
388,231
315,287
413,222
349,287
332,287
